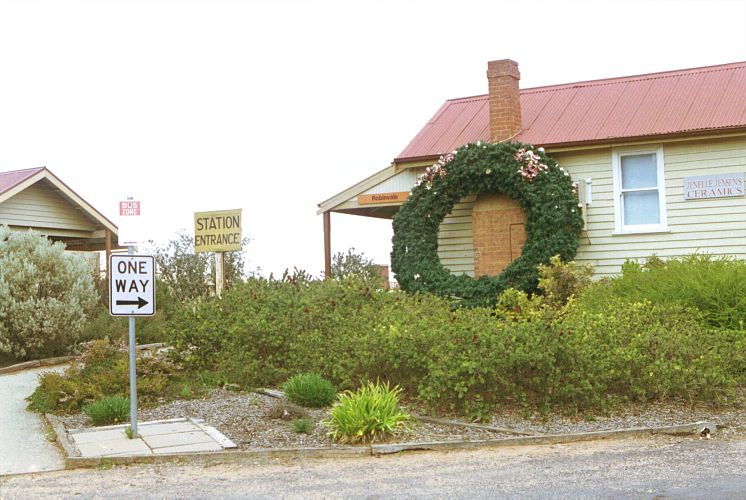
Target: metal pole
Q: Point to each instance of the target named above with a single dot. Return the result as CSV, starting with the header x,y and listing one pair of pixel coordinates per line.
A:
x,y
133,381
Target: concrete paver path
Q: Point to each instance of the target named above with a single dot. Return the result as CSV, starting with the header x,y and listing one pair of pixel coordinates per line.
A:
x,y
23,444
178,435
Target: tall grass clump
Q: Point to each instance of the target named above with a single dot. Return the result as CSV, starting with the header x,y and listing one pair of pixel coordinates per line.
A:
x,y
368,414
310,390
109,410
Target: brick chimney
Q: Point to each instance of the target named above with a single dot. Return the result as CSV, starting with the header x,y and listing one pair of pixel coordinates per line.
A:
x,y
505,101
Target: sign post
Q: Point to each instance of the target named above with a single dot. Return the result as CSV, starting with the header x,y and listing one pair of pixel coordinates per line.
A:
x,y
132,293
218,231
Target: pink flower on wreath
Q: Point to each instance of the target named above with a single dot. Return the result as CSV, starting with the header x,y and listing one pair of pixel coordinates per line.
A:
x,y
436,170
531,164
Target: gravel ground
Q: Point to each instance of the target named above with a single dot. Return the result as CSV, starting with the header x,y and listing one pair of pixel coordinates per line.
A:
x,y
254,420
730,420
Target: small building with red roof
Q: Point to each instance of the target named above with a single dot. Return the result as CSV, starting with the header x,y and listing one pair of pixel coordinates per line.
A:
x,y
659,161
37,199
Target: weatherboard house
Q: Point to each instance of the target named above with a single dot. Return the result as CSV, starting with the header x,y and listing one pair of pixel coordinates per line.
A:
x,y
658,161
37,199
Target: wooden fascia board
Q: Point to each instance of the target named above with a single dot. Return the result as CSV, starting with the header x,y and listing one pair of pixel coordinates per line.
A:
x,y
352,191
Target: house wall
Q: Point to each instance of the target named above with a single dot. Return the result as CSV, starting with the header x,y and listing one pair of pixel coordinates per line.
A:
x,y
715,226
455,238
40,206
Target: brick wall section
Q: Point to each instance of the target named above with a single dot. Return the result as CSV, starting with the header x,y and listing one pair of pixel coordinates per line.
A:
x,y
498,232
504,99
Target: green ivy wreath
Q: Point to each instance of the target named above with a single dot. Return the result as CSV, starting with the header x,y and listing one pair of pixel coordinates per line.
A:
x,y
534,180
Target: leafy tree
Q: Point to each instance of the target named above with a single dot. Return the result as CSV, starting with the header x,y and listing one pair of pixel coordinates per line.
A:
x,y
352,264
188,275
46,295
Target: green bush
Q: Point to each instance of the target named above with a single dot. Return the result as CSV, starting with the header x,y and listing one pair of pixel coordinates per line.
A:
x,y
46,295
716,286
368,414
560,281
310,390
149,330
302,425
576,358
187,275
104,370
109,410
354,265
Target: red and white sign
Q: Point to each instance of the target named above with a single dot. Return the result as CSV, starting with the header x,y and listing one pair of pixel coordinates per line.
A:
x,y
131,221
127,208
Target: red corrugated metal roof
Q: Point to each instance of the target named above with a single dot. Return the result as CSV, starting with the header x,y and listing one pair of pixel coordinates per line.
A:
x,y
657,104
10,179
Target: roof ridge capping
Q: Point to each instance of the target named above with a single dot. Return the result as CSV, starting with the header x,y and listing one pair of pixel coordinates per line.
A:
x,y
632,78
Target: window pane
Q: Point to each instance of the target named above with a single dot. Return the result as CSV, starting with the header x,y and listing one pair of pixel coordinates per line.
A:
x,y
641,208
639,171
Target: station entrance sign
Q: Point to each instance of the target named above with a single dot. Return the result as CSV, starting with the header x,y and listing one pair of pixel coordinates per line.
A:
x,y
131,285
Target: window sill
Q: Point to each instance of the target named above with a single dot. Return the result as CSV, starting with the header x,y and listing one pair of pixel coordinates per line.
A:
x,y
658,230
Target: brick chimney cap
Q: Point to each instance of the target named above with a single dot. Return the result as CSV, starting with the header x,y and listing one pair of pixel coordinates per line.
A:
x,y
503,67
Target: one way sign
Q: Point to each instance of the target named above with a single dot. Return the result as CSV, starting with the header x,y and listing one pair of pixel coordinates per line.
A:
x,y
131,285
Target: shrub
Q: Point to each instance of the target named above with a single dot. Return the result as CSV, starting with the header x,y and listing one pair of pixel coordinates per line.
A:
x,y
302,425
187,275
367,414
357,266
109,410
46,295
469,360
104,370
560,281
716,286
310,390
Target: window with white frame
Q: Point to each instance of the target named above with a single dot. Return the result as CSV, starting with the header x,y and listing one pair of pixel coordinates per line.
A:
x,y
639,190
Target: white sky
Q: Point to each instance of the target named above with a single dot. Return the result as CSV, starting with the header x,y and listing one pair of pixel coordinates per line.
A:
x,y
273,107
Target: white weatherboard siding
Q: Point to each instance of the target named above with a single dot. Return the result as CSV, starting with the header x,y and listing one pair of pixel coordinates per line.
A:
x,y
714,226
402,181
41,206
455,240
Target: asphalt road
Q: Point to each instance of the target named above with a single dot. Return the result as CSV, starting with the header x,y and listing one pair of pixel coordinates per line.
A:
x,y
23,438
639,468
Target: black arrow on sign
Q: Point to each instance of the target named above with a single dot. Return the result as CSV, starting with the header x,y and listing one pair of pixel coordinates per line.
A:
x,y
139,302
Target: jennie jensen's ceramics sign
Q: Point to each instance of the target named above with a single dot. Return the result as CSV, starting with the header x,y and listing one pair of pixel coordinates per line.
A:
x,y
713,186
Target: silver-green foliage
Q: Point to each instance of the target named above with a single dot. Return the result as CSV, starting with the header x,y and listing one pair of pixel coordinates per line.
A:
x,y
46,295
